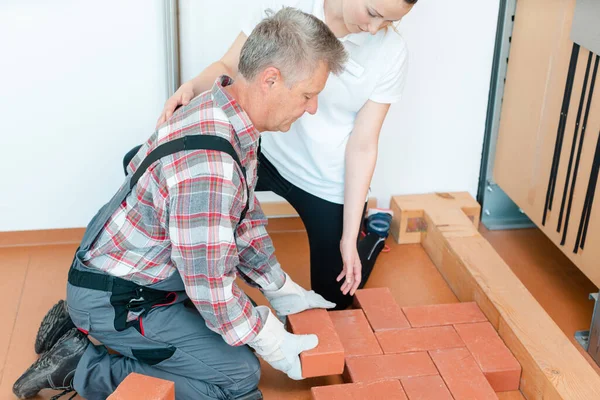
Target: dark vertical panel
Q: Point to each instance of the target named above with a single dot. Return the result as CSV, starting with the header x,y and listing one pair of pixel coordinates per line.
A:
x,y
581,140
589,200
561,130
574,144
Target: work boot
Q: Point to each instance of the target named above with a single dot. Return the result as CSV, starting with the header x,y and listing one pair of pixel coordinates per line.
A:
x,y
55,369
56,323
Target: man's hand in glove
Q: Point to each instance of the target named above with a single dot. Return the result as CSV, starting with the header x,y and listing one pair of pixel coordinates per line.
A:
x,y
280,348
291,298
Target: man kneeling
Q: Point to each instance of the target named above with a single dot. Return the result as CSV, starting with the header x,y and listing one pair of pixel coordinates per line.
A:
x,y
154,276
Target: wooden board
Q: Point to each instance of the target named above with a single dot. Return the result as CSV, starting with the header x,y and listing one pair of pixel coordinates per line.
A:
x,y
412,224
552,367
538,66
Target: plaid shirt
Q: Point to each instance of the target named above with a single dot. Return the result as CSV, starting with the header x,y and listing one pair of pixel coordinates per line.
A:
x,y
183,215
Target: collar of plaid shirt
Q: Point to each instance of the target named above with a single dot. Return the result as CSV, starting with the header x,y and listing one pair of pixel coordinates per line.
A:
x,y
244,128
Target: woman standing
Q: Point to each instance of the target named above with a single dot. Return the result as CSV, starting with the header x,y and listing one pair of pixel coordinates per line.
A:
x,y
323,166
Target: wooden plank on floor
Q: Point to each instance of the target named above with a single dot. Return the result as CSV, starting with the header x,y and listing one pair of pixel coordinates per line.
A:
x,y
14,262
552,367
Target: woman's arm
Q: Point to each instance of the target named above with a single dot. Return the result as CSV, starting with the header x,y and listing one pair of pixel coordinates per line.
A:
x,y
228,65
361,156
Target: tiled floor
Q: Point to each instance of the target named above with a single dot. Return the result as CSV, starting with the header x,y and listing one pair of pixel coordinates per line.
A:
x,y
34,279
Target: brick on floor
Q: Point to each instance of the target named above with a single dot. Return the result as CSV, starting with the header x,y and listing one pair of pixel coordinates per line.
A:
x,y
328,357
355,333
498,364
381,309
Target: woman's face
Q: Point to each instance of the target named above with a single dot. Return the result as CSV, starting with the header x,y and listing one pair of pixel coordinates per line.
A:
x,y
372,15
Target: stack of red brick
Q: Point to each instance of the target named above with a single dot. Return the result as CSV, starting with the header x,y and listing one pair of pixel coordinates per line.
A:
x,y
446,351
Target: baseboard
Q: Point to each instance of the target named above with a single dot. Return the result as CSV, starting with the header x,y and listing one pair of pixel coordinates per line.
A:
x,y
41,237
283,218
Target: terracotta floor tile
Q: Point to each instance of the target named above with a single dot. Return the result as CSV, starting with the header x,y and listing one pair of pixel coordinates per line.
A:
x,y
385,390
275,385
419,339
381,309
328,357
355,333
44,286
516,395
408,272
14,262
498,364
443,314
462,375
410,275
293,255
390,366
426,388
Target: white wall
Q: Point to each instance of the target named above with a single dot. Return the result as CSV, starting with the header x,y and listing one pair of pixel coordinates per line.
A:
x,y
432,140
80,84
83,82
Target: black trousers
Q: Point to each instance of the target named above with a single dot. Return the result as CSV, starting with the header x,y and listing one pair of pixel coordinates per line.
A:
x,y
323,221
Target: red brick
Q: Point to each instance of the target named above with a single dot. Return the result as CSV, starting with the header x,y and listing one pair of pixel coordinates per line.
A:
x,y
426,388
137,386
419,339
381,309
498,364
444,314
355,333
389,366
328,357
462,374
384,390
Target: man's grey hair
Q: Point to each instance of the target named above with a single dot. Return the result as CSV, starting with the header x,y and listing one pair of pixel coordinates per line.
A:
x,y
293,42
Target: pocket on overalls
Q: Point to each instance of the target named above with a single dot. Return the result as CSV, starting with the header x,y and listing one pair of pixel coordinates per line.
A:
x,y
81,319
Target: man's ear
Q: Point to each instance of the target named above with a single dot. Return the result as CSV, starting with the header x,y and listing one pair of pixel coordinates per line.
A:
x,y
270,77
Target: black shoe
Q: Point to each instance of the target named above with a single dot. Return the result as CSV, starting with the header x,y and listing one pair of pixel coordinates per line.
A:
x,y
56,323
55,369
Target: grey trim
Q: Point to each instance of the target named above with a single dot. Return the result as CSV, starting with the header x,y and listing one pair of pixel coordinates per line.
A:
x,y
585,30
499,211
590,339
172,46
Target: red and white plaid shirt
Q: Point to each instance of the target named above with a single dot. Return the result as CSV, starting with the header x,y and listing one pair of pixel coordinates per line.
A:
x,y
183,215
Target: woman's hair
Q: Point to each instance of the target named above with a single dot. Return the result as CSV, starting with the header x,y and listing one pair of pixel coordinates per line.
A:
x,y
293,42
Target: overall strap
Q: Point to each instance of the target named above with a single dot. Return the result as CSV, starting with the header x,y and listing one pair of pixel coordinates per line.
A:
x,y
186,143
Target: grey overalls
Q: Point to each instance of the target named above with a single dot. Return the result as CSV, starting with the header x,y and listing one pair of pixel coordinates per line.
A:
x,y
155,330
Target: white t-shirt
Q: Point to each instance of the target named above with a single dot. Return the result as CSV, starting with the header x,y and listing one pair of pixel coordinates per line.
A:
x,y
311,154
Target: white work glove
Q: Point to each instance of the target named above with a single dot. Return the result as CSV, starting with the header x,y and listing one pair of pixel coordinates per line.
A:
x,y
280,348
291,298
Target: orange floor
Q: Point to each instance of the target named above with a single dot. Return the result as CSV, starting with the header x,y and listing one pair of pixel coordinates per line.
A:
x,y
34,279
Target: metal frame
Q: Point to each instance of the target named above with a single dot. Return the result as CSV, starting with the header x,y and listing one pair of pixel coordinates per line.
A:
x,y
590,339
171,26
499,211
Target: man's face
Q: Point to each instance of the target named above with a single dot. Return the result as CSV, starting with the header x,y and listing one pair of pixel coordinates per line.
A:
x,y
285,105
